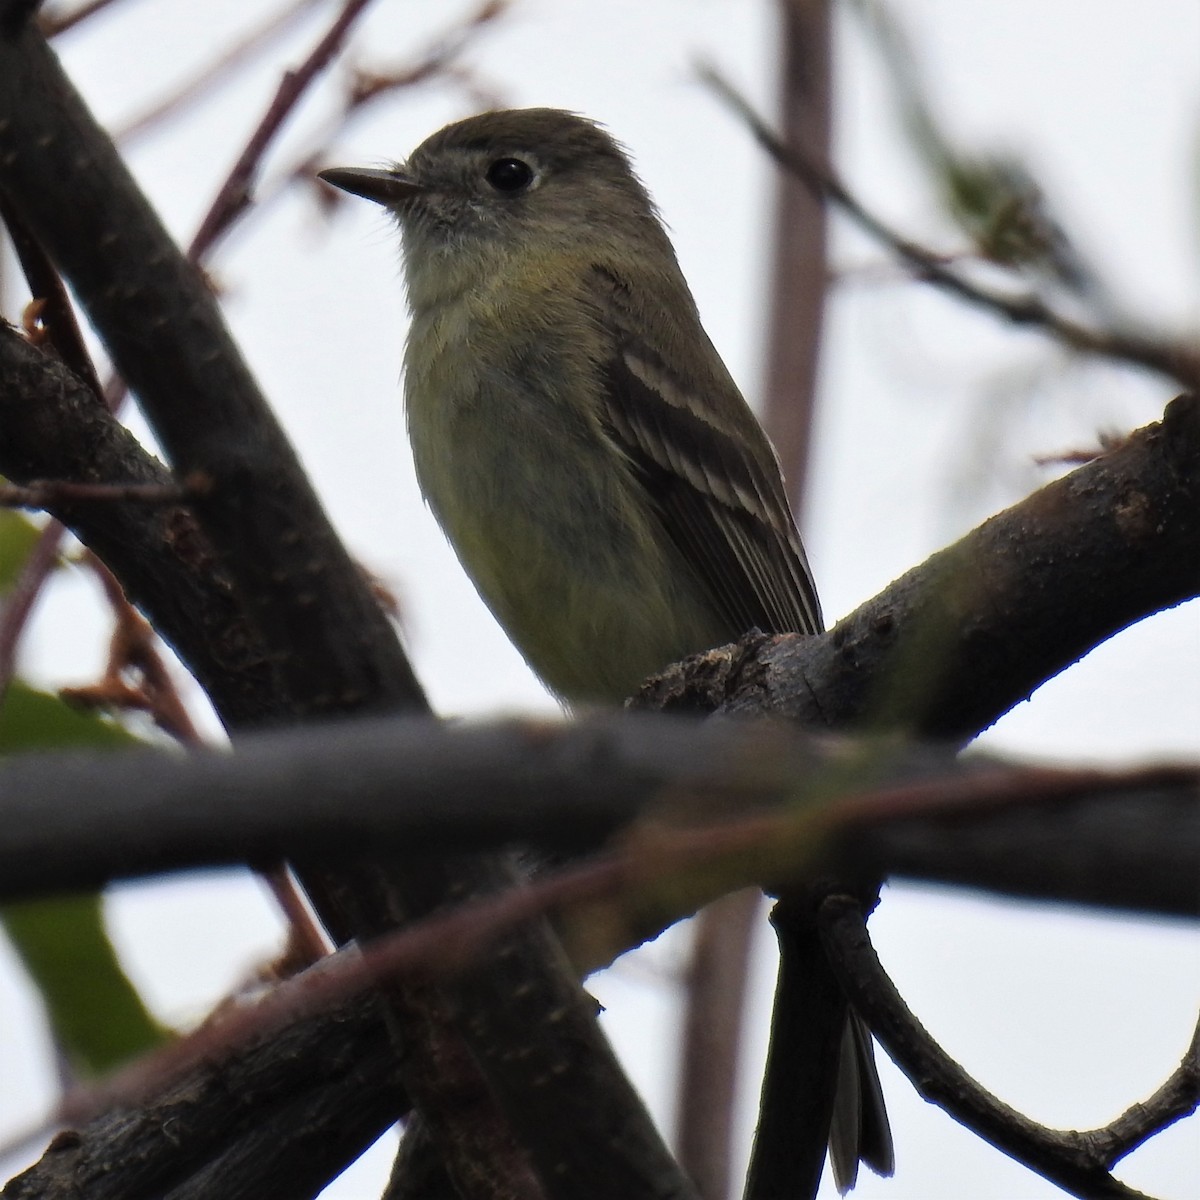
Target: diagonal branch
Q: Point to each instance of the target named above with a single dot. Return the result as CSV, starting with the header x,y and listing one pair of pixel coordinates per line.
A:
x,y
167,337
279,1116
234,194
1178,360
1080,1163
952,645
215,72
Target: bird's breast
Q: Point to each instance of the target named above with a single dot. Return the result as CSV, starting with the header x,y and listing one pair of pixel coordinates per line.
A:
x,y
546,515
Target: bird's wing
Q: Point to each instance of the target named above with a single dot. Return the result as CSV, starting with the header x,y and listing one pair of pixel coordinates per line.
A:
x,y
712,474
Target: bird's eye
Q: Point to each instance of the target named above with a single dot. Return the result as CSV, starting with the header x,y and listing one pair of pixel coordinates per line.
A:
x,y
509,175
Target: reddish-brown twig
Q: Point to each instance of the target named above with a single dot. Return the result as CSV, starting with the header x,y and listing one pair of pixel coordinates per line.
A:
x,y
365,88
53,24
133,653
233,197
21,599
51,313
133,650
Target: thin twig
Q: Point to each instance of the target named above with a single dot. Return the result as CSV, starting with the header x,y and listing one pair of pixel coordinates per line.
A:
x,y
436,58
366,87
45,493
134,648
214,72
23,596
55,318
233,197
1178,360
52,25
1080,1163
1178,1097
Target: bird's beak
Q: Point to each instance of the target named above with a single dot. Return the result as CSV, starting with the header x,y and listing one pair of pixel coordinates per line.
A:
x,y
392,187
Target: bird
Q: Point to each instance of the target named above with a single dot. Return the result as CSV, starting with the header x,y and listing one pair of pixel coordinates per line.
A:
x,y
578,437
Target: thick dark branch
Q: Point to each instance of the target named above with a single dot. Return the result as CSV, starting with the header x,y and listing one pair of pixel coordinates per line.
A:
x,y
752,759
1113,853
56,426
1124,840
278,1117
952,645
250,512
1080,1163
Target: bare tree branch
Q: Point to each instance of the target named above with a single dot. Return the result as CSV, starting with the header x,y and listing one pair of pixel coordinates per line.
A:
x,y
1080,1163
57,426
757,762
1178,1097
956,642
280,1116
1178,360
216,412
56,324
1125,839
260,512
1160,454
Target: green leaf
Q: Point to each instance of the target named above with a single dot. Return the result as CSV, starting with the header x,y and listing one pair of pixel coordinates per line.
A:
x,y
33,720
17,537
96,1016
